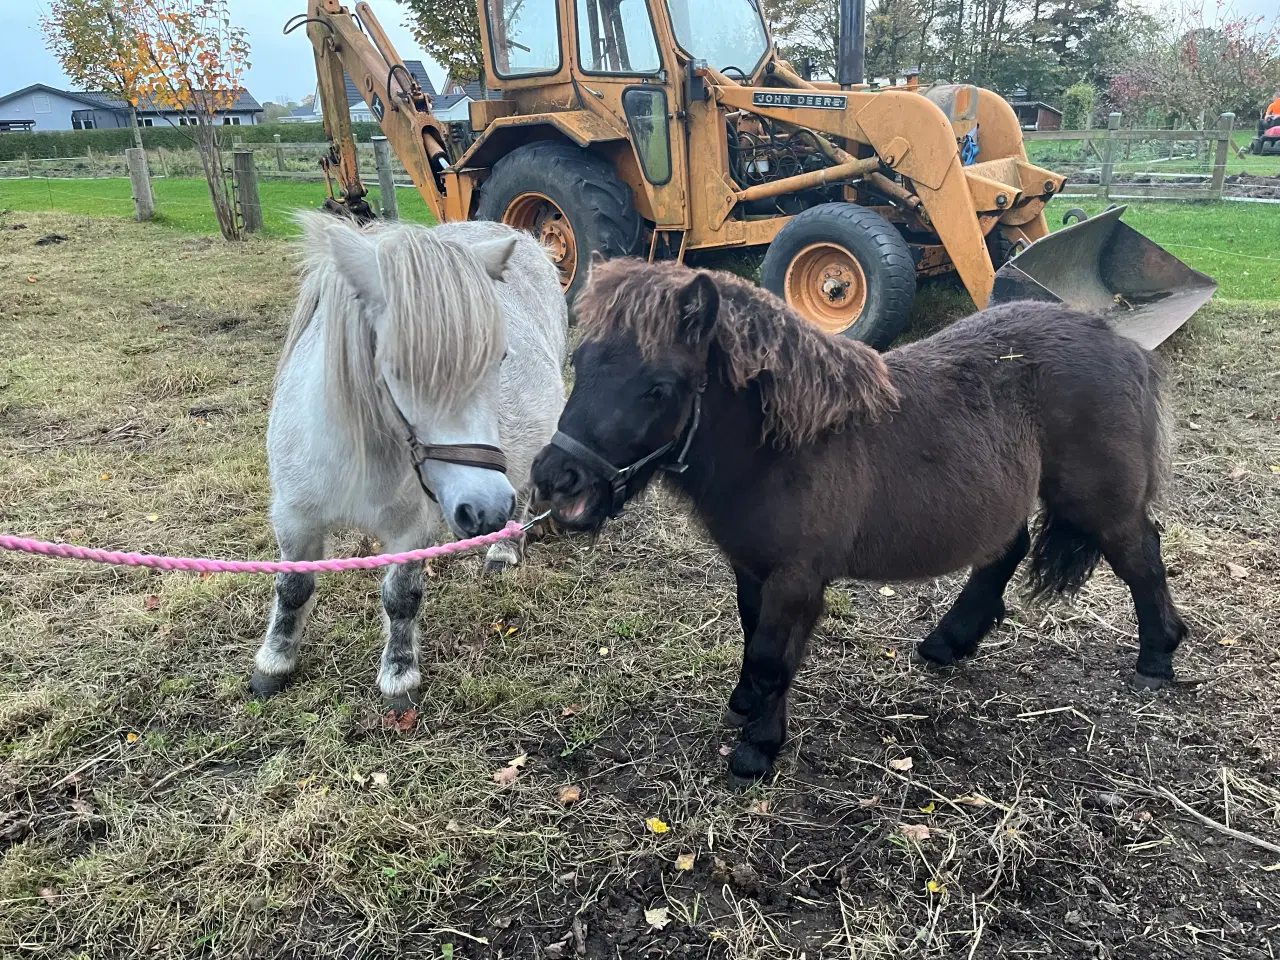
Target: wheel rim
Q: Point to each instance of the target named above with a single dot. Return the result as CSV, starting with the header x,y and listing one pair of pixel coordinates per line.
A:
x,y
826,284
541,216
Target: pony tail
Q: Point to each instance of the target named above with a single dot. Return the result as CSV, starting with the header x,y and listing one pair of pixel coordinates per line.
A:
x,y
1063,557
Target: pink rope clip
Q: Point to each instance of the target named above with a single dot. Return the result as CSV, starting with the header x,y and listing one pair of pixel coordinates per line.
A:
x,y
70,551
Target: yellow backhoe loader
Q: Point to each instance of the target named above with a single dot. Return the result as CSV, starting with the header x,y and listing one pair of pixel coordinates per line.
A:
x,y
660,128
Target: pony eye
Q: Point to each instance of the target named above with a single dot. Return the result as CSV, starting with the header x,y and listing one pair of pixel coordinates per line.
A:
x,y
659,391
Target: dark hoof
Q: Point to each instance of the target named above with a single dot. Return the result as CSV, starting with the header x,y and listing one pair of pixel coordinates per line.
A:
x,y
1147,681
493,567
935,651
408,700
732,718
265,685
749,763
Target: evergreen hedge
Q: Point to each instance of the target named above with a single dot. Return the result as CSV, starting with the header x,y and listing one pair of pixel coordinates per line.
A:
x,y
75,143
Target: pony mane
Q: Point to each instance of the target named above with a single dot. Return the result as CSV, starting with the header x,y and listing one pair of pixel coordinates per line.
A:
x,y
810,383
445,325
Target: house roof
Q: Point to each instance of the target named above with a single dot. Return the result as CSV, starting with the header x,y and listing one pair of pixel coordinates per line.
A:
x,y
415,67
1035,103
89,99
104,101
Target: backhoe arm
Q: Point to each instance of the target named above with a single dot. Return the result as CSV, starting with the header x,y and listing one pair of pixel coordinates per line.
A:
x,y
398,102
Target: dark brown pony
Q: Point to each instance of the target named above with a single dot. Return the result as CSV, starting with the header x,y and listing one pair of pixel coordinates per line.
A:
x,y
810,458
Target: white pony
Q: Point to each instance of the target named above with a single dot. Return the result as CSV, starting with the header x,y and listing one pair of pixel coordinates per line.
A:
x,y
416,359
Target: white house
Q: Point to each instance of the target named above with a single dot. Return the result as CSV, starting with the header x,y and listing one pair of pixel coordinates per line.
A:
x,y
452,103
42,107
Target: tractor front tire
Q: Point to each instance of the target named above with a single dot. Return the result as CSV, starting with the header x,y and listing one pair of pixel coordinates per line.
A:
x,y
571,200
845,269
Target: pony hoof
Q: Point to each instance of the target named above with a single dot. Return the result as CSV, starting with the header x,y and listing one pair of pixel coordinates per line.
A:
x,y
732,718
494,567
748,764
266,685
933,651
401,702
1147,681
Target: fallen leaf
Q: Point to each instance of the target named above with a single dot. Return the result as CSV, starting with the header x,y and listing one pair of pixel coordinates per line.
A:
x,y
914,831
1238,473
1193,425
520,761
1237,571
378,779
49,896
685,861
506,776
725,750
31,279
303,784
657,917
1228,641
359,778
153,517
933,886
1271,869
151,602
205,576
888,592
1275,468
657,825
889,652
869,801
75,533
928,807
902,764
971,801
569,795
82,806
163,328
604,651
761,806
400,722
131,738
572,710
430,571
104,476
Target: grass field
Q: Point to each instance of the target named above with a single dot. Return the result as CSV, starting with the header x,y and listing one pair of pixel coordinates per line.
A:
x,y
180,203
149,807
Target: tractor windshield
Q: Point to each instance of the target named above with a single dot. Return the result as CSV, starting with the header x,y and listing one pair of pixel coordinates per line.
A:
x,y
728,34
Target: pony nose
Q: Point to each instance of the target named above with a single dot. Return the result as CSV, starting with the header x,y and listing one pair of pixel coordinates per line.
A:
x,y
476,520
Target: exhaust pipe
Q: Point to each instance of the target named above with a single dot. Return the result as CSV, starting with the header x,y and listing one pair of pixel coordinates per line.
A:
x,y
853,41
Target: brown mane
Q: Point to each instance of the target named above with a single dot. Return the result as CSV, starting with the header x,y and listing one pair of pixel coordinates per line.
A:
x,y
811,383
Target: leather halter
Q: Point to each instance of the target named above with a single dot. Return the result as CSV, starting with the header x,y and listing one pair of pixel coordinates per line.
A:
x,y
619,477
482,456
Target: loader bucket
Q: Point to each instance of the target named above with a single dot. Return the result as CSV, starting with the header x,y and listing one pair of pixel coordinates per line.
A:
x,y
1101,265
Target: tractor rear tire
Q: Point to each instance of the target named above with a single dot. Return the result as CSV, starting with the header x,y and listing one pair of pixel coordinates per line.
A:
x,y
569,199
846,269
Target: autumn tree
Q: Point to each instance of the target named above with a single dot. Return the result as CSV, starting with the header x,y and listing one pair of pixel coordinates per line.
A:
x,y
94,43
449,30
192,60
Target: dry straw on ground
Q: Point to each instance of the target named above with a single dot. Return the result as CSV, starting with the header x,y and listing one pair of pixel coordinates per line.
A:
x,y
148,807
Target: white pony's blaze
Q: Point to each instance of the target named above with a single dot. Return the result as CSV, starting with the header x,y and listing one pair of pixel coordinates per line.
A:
x,y
402,329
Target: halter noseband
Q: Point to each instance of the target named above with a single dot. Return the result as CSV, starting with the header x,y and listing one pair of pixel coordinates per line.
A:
x,y
619,478
482,456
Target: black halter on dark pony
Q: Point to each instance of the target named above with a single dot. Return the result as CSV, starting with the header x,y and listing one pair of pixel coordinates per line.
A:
x,y
620,477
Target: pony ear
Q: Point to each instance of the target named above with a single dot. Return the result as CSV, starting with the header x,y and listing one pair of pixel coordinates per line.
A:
x,y
698,304
495,254
356,257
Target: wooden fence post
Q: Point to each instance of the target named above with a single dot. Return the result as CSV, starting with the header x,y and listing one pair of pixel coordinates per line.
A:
x,y
144,203
1108,157
1225,123
88,152
164,167
386,179
26,158
279,153
247,188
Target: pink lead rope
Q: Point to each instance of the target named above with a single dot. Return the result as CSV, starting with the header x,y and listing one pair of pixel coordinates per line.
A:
x,y
70,551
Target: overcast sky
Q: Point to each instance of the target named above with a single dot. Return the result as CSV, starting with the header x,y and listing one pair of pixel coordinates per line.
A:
x,y
282,66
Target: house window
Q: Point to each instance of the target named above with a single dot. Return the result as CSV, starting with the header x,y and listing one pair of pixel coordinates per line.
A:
x,y
42,103
146,122
82,120
231,121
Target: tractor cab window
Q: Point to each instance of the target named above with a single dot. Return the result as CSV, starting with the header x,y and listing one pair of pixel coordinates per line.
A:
x,y
616,36
728,34
525,35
